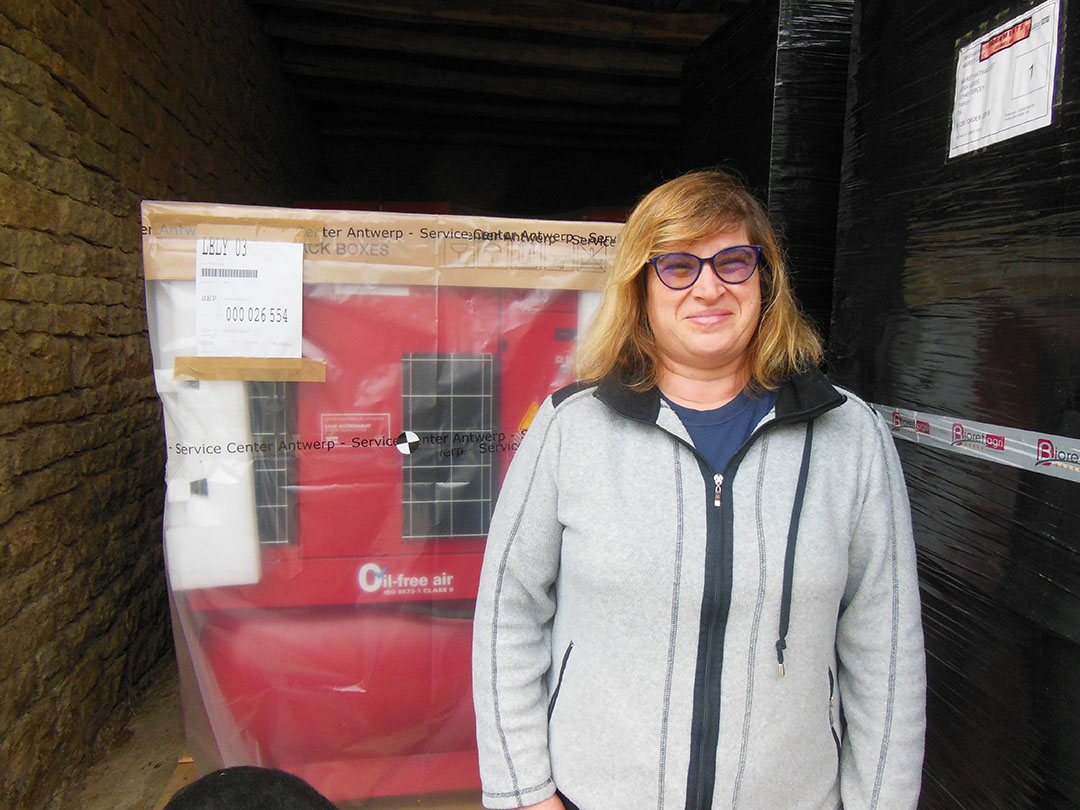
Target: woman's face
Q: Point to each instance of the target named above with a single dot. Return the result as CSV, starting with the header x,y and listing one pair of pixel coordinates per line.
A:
x,y
704,330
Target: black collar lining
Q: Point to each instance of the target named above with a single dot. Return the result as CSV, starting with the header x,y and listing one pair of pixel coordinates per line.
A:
x,y
804,393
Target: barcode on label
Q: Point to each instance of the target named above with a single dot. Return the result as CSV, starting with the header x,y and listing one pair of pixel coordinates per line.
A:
x,y
229,272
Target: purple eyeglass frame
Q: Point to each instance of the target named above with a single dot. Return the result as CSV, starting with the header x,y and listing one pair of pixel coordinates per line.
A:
x,y
701,260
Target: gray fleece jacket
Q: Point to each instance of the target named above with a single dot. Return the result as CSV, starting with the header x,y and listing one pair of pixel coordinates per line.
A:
x,y
650,637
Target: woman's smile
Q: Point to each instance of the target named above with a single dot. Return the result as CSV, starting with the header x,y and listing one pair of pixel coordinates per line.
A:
x,y
709,317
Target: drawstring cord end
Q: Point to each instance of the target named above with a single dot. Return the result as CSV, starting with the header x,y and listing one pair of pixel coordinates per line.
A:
x,y
789,554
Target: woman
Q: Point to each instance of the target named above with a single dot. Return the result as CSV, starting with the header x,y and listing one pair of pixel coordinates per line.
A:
x,y
699,589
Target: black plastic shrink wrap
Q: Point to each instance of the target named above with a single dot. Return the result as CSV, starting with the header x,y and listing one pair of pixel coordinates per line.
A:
x,y
958,293
765,96
728,97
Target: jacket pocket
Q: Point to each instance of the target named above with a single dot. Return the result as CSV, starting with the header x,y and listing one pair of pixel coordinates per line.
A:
x,y
832,713
558,683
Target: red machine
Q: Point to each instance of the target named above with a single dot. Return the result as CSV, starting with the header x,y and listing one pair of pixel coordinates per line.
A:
x,y
348,662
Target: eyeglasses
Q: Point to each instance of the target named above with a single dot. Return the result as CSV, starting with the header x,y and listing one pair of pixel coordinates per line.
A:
x,y
732,265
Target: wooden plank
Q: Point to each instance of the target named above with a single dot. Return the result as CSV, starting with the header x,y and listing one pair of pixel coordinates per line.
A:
x,y
490,125
434,801
598,57
272,369
351,105
567,17
406,133
183,775
412,75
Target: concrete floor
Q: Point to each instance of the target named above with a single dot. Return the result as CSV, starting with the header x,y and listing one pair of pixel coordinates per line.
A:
x,y
149,762
134,773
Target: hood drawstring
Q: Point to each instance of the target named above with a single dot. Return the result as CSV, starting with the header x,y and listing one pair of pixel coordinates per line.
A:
x,y
789,556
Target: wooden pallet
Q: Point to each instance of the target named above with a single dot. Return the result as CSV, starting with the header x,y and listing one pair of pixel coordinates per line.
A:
x,y
184,773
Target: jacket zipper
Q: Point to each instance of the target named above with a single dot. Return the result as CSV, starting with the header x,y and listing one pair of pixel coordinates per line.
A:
x,y
704,781
716,603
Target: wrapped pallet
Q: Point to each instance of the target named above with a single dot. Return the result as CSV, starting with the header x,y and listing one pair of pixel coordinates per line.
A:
x,y
342,393
956,312
764,96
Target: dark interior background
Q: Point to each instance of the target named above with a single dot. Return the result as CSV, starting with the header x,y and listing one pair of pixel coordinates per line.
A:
x,y
524,109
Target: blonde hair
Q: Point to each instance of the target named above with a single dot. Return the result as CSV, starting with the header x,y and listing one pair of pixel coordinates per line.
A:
x,y
695,206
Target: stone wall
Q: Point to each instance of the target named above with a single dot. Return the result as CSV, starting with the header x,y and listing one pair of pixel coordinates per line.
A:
x,y
104,104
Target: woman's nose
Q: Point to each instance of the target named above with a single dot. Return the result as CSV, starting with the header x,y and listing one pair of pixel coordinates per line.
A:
x,y
708,284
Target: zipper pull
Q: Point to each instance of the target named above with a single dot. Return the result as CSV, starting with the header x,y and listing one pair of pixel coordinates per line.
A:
x,y
719,479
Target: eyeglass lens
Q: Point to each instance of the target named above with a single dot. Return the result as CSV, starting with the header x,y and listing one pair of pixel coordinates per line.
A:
x,y
733,265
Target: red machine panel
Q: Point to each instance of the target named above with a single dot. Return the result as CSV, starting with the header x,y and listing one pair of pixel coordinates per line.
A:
x,y
348,662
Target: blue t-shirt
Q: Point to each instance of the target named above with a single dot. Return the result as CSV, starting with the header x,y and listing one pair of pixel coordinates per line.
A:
x,y
718,433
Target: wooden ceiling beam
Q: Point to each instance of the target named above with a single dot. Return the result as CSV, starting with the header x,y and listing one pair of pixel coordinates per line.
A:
x,y
413,75
602,58
565,17
351,102
405,132
596,133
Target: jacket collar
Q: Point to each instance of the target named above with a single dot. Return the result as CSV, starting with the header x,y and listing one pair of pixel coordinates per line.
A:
x,y
805,395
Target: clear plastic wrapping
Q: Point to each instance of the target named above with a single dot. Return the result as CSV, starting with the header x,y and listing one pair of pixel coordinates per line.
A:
x,y
325,514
